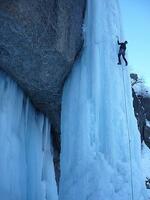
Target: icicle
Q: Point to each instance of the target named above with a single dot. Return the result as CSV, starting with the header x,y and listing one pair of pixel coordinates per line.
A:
x,y
26,166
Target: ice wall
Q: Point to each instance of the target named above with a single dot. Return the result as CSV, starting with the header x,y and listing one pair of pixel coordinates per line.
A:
x,y
146,164
100,157
26,167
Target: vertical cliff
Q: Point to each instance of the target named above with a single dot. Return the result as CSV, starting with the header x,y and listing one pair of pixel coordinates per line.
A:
x,y
100,156
39,41
141,103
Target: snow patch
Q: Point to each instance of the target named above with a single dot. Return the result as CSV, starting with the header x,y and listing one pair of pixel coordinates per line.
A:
x,y
147,123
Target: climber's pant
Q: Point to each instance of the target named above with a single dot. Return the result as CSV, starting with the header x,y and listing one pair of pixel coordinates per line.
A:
x,y
122,53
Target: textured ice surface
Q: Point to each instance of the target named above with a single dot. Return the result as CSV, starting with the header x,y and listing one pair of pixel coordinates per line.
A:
x,y
146,164
26,167
100,158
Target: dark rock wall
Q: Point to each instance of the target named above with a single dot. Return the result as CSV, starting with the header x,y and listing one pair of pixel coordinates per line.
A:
x,y
146,104
139,113
141,106
39,41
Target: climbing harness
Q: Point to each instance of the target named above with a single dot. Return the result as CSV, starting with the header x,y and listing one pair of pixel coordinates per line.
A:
x,y
129,139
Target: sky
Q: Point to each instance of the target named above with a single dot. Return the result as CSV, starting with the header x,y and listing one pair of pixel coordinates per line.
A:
x,y
136,28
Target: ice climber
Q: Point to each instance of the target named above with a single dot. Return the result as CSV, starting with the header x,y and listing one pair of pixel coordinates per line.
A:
x,y
122,51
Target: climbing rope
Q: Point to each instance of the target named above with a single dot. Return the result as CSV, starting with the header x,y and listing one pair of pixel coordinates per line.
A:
x,y
130,151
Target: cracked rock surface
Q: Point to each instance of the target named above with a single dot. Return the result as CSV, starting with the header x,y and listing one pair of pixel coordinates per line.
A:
x,y
39,41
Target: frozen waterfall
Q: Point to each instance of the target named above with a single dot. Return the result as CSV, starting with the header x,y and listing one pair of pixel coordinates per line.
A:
x,y
26,166
100,158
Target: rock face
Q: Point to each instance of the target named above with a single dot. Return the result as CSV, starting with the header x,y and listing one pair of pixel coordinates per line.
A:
x,y
141,104
139,114
39,41
143,118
